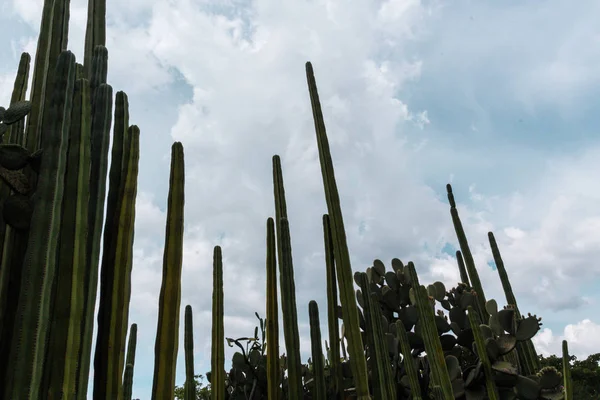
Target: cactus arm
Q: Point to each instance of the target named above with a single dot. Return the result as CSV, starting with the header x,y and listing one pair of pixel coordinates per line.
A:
x,y
567,380
464,276
130,363
490,384
411,369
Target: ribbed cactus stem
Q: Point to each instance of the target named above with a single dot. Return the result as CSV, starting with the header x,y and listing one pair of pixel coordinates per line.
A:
x,y
528,357
344,269
290,314
409,362
383,385
335,368
272,322
188,343
95,33
167,335
105,386
128,382
130,363
464,277
68,310
218,333
492,390
31,325
567,380
468,257
10,273
320,392
101,123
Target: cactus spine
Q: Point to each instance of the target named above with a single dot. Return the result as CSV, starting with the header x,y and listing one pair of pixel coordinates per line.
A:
x,y
466,252
31,325
335,369
218,332
272,315
188,343
165,348
317,351
340,247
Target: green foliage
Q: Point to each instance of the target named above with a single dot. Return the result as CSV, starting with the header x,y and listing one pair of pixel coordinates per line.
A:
x,y
585,374
201,391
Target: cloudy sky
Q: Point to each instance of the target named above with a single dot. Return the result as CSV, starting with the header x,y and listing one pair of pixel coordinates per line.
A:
x,y
499,98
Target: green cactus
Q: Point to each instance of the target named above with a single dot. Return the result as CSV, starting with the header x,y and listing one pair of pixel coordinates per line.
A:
x,y
218,334
272,323
130,363
167,335
16,131
289,311
492,390
464,277
528,357
31,325
188,343
568,381
320,392
340,247
68,306
95,33
468,257
335,369
409,364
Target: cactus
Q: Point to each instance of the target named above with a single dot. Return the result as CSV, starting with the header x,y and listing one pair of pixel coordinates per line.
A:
x,y
332,320
95,33
165,348
130,363
31,325
188,343
290,316
218,334
272,323
527,355
101,122
409,364
340,247
468,257
65,334
492,390
317,352
464,277
568,381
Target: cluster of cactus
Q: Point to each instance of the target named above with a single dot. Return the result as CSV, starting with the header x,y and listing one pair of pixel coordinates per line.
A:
x,y
54,166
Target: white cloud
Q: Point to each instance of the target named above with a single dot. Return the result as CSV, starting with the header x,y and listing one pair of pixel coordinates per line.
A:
x,y
583,339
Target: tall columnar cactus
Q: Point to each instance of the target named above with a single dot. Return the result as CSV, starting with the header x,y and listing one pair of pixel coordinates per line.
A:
x,y
130,363
40,79
117,263
65,334
10,274
409,364
290,314
95,33
475,322
188,343
317,352
464,277
466,252
526,350
431,339
384,386
272,328
567,380
167,335
218,333
340,247
99,71
101,122
335,369
31,325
